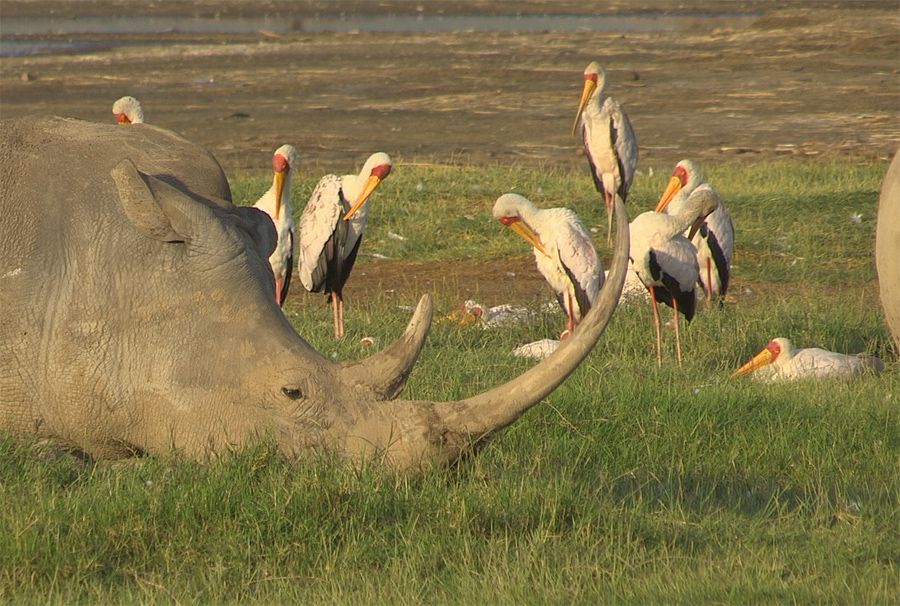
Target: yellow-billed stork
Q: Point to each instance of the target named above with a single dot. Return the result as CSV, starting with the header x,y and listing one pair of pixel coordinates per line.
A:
x,y
276,203
609,142
666,261
128,110
563,251
714,240
781,361
331,230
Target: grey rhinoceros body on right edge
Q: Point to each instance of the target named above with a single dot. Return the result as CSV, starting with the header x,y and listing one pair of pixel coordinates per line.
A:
x,y
887,248
138,317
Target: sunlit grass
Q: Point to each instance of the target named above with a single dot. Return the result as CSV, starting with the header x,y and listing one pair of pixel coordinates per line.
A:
x,y
630,483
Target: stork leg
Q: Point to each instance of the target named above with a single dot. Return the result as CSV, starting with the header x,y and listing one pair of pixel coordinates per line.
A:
x,y
656,326
337,309
610,202
570,314
570,318
677,337
278,282
708,284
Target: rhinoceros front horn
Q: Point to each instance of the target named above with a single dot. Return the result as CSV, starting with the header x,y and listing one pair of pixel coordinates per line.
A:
x,y
384,374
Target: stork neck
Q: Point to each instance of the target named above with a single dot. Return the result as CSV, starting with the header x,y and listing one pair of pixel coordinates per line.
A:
x,y
351,187
681,222
676,205
595,103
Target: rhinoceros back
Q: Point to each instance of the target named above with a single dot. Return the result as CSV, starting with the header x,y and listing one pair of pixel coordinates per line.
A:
x,y
60,225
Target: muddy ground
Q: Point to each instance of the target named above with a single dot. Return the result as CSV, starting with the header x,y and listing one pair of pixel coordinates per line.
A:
x,y
769,79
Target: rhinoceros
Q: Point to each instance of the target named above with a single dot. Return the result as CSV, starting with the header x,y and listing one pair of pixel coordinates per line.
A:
x,y
138,317
887,247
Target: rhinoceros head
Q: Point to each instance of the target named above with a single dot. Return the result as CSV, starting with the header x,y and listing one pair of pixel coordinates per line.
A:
x,y
162,334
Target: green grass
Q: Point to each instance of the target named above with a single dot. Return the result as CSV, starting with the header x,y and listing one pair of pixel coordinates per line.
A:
x,y
792,217
630,483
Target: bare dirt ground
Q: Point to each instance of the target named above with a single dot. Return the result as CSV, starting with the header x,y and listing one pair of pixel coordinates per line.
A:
x,y
767,79
791,79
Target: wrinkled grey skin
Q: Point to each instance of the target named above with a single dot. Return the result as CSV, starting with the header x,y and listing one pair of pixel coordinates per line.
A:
x,y
138,317
887,247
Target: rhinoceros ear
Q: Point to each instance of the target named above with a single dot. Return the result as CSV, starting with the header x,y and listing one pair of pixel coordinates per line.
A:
x,y
260,227
157,209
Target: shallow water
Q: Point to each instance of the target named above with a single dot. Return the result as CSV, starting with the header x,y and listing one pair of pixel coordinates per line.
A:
x,y
17,33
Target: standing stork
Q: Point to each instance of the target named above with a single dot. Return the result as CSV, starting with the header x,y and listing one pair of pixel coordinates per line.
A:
x,y
331,229
563,252
609,142
128,110
666,261
714,240
276,203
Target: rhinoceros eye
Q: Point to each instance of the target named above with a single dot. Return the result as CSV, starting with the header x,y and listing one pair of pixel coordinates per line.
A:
x,y
293,393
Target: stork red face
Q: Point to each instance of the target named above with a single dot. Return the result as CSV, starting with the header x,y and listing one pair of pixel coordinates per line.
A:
x,y
515,223
768,355
280,164
121,119
679,180
381,171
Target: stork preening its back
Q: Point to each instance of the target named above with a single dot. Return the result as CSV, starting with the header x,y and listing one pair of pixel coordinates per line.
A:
x,y
609,142
331,229
563,251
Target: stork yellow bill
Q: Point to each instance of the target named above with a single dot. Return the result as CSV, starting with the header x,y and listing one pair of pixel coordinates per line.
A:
x,y
590,85
281,167
672,187
763,358
517,225
378,174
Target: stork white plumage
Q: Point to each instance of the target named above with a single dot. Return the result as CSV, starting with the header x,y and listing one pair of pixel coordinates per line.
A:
x,y
563,251
276,203
128,110
666,261
331,230
714,240
781,361
610,145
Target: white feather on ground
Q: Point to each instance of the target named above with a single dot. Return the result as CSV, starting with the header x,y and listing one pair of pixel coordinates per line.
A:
x,y
537,350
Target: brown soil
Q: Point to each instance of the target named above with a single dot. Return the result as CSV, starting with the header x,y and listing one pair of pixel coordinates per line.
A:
x,y
512,280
